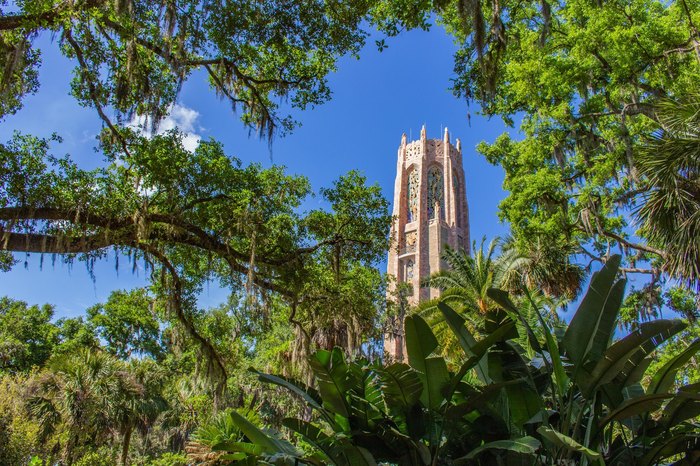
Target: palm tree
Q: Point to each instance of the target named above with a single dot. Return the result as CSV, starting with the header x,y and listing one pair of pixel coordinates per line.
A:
x,y
545,267
466,280
670,209
464,285
139,413
77,396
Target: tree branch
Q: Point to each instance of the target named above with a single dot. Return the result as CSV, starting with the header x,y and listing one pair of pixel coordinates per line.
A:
x,y
85,75
629,244
206,346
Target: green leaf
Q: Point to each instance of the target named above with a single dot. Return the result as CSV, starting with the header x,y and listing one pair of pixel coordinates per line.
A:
x,y
465,339
665,448
634,376
552,356
636,406
524,403
242,447
624,355
684,405
306,393
562,380
401,385
436,378
420,344
269,444
366,400
564,441
666,375
525,445
420,341
479,400
591,328
314,436
331,373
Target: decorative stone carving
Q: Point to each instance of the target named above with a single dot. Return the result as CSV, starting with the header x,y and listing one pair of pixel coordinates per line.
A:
x,y
435,193
410,242
457,197
412,193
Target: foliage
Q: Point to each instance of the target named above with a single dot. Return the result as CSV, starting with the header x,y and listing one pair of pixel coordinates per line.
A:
x,y
649,301
579,399
590,84
27,336
402,413
80,398
133,57
467,278
221,428
671,164
19,434
127,322
100,457
169,459
191,217
194,217
601,410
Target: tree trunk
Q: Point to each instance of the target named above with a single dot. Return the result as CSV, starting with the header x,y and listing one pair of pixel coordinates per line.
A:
x,y
125,446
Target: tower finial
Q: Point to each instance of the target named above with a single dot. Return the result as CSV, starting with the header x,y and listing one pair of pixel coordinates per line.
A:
x,y
447,135
459,146
403,139
422,132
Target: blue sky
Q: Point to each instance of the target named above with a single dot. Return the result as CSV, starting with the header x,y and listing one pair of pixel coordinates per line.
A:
x,y
375,100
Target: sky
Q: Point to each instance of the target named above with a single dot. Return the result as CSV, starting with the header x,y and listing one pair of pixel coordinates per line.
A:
x,y
375,100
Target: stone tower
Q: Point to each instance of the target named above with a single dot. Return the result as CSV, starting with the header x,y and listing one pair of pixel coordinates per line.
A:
x,y
430,212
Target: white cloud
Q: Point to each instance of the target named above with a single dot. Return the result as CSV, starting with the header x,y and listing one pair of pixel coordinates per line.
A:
x,y
180,117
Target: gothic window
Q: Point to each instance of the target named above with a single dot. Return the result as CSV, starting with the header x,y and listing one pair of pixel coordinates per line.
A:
x,y
412,195
458,199
409,270
435,193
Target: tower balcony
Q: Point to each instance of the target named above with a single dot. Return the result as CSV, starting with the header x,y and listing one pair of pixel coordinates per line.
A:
x,y
407,250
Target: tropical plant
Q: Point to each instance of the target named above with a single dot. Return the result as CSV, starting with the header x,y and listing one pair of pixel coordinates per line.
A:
x,y
670,208
544,266
139,412
79,398
409,414
466,279
220,428
578,399
464,284
599,409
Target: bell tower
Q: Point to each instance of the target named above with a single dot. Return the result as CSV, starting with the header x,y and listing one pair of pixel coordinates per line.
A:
x,y
430,213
